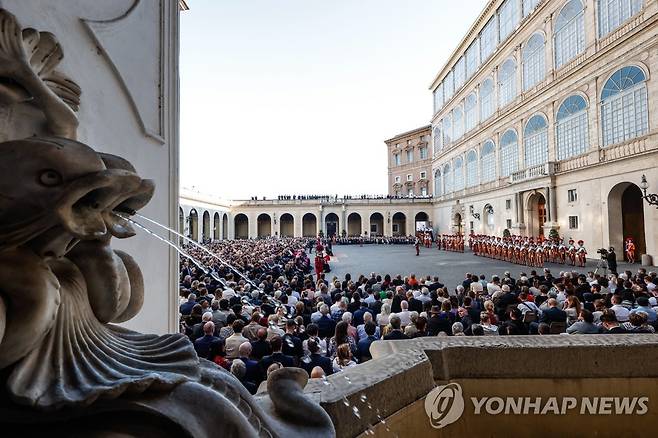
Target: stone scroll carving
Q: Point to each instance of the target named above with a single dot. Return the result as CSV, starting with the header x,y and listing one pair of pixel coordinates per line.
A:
x,y
64,367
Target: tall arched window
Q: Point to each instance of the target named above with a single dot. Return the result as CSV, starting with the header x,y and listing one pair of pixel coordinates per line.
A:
x,y
438,137
470,112
458,122
507,82
571,127
535,141
613,13
624,110
471,169
447,131
534,61
569,32
488,161
459,174
447,179
487,101
438,187
509,153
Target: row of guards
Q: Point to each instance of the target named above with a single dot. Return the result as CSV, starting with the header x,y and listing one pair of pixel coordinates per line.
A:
x,y
529,251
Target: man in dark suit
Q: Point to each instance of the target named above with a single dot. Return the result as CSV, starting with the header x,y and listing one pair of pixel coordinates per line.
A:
x,y
435,285
315,359
186,308
254,373
357,317
292,344
376,306
553,313
261,347
277,356
203,344
396,333
326,325
364,344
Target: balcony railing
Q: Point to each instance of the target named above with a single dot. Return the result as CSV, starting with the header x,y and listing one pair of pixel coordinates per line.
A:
x,y
533,172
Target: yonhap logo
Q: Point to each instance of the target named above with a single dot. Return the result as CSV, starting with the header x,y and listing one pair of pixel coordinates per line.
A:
x,y
444,405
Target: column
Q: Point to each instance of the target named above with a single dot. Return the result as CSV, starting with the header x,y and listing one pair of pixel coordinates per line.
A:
x,y
549,49
552,208
343,222
365,223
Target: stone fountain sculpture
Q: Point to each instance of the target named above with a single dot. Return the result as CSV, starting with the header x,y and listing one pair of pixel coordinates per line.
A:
x,y
64,368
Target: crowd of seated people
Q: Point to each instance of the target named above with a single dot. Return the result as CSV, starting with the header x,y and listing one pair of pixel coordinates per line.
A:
x,y
279,315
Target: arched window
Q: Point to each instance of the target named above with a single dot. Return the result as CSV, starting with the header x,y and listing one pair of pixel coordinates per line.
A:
x,y
471,169
487,101
458,122
438,187
447,131
613,13
534,61
535,141
438,137
447,179
571,127
459,174
470,112
488,161
569,33
509,153
624,110
507,82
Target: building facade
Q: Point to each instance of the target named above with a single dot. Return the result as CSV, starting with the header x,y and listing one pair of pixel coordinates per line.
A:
x,y
203,218
545,118
410,163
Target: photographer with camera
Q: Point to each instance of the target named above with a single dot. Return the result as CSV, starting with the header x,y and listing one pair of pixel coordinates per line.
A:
x,y
612,260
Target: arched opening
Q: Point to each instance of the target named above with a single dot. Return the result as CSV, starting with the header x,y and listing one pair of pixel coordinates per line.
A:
x,y
332,224
536,214
215,227
354,224
626,218
457,226
225,226
264,225
241,226
376,224
421,221
399,224
181,224
287,223
309,225
206,226
194,225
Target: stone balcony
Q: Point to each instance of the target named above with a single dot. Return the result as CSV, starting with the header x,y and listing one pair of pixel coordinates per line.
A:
x,y
533,172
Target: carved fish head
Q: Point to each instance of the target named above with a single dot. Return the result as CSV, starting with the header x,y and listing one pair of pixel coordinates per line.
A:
x,y
55,192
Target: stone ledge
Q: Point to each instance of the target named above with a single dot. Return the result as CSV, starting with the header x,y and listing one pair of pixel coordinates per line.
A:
x,y
403,372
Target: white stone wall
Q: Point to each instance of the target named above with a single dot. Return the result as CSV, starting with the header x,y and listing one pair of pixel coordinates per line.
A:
x,y
124,56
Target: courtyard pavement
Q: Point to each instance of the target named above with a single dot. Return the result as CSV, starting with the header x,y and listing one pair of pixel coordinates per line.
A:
x,y
449,266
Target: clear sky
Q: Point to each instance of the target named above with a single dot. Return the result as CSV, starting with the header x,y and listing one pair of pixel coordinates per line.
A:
x,y
298,96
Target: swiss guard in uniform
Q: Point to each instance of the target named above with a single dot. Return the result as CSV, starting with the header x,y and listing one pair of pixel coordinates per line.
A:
x,y
571,251
582,254
629,249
